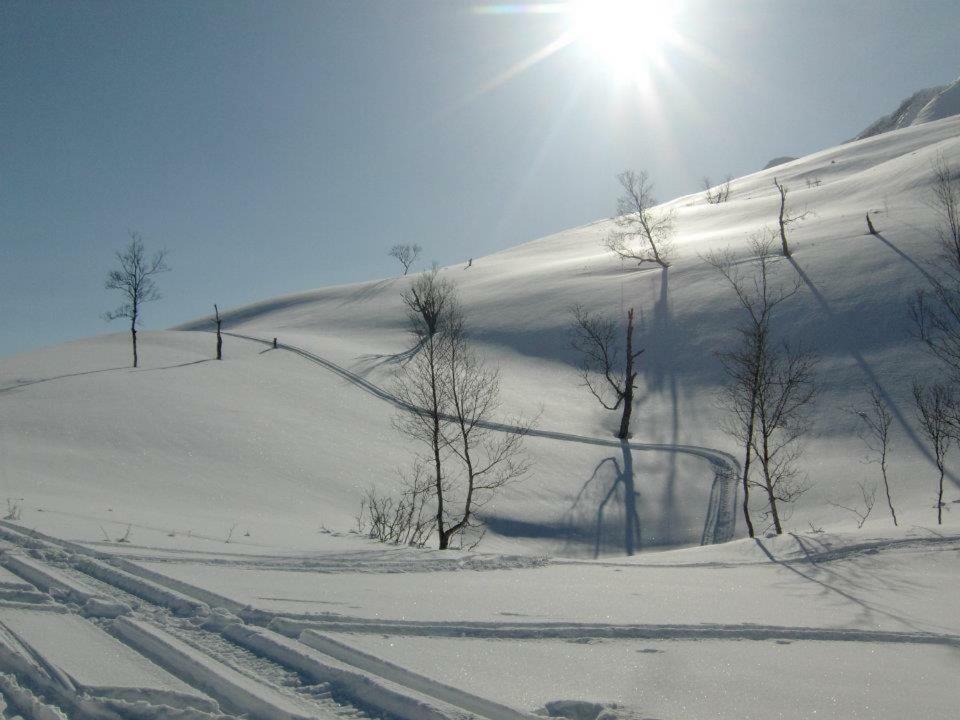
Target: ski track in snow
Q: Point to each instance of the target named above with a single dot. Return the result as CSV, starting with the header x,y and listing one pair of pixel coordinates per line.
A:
x,y
721,516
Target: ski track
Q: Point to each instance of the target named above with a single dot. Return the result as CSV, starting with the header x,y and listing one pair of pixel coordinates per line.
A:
x,y
721,521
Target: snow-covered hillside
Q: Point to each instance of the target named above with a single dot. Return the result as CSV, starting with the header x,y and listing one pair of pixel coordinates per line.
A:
x,y
190,493
923,106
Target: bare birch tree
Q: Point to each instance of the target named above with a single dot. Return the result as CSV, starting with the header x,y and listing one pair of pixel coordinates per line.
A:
x,y
875,434
767,381
406,255
608,373
936,410
218,321
451,398
786,217
643,234
134,280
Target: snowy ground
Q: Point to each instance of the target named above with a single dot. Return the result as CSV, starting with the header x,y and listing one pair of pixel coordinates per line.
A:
x,y
184,546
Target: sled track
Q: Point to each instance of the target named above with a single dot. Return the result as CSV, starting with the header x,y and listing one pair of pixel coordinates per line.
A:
x,y
721,517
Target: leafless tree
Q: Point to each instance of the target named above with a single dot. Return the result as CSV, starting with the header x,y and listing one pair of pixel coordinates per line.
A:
x,y
429,301
870,228
786,217
134,280
936,411
643,234
875,434
406,520
945,200
759,370
718,194
868,498
451,398
609,375
406,254
218,321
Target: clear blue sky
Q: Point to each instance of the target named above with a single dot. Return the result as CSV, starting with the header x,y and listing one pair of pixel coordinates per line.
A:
x,y
274,147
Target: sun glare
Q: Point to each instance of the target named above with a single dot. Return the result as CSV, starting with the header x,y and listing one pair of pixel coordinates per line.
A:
x,y
625,35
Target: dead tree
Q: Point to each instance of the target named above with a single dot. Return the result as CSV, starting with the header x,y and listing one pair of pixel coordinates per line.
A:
x,y
608,376
868,496
639,223
134,280
748,366
406,254
785,217
875,434
217,320
718,194
870,228
936,406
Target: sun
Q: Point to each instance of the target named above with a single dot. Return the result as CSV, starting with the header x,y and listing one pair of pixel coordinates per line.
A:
x,y
626,36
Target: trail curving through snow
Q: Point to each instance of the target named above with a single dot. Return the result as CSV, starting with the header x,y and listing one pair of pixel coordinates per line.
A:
x,y
721,517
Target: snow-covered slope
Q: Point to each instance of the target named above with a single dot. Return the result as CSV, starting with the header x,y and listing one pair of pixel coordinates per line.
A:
x,y
923,106
270,443
192,496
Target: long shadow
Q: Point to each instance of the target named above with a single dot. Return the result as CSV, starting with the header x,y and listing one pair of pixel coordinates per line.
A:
x,y
902,254
868,371
368,363
623,489
868,609
179,365
27,383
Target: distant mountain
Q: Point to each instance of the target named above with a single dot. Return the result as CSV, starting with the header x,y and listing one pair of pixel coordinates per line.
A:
x,y
921,107
779,161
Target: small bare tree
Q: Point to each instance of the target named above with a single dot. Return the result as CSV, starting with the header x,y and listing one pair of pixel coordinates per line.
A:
x,y
609,376
638,222
218,321
875,434
945,200
134,279
936,411
405,520
406,254
868,498
770,384
786,217
718,194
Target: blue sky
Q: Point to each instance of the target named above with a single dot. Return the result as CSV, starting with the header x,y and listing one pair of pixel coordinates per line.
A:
x,y
274,147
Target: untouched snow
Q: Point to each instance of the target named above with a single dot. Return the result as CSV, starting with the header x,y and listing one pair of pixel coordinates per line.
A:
x,y
215,492
923,106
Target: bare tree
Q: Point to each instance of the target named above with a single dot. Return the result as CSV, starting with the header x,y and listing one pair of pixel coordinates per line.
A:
x,y
786,217
218,321
450,398
945,200
134,279
875,434
868,498
429,301
718,194
609,376
936,408
406,254
752,367
639,223
405,520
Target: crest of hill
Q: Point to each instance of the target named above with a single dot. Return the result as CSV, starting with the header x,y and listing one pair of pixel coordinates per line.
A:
x,y
923,106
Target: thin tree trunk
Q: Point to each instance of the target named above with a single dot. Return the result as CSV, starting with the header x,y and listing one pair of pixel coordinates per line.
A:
x,y
783,225
769,485
886,488
435,410
940,500
216,311
746,465
870,227
624,432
